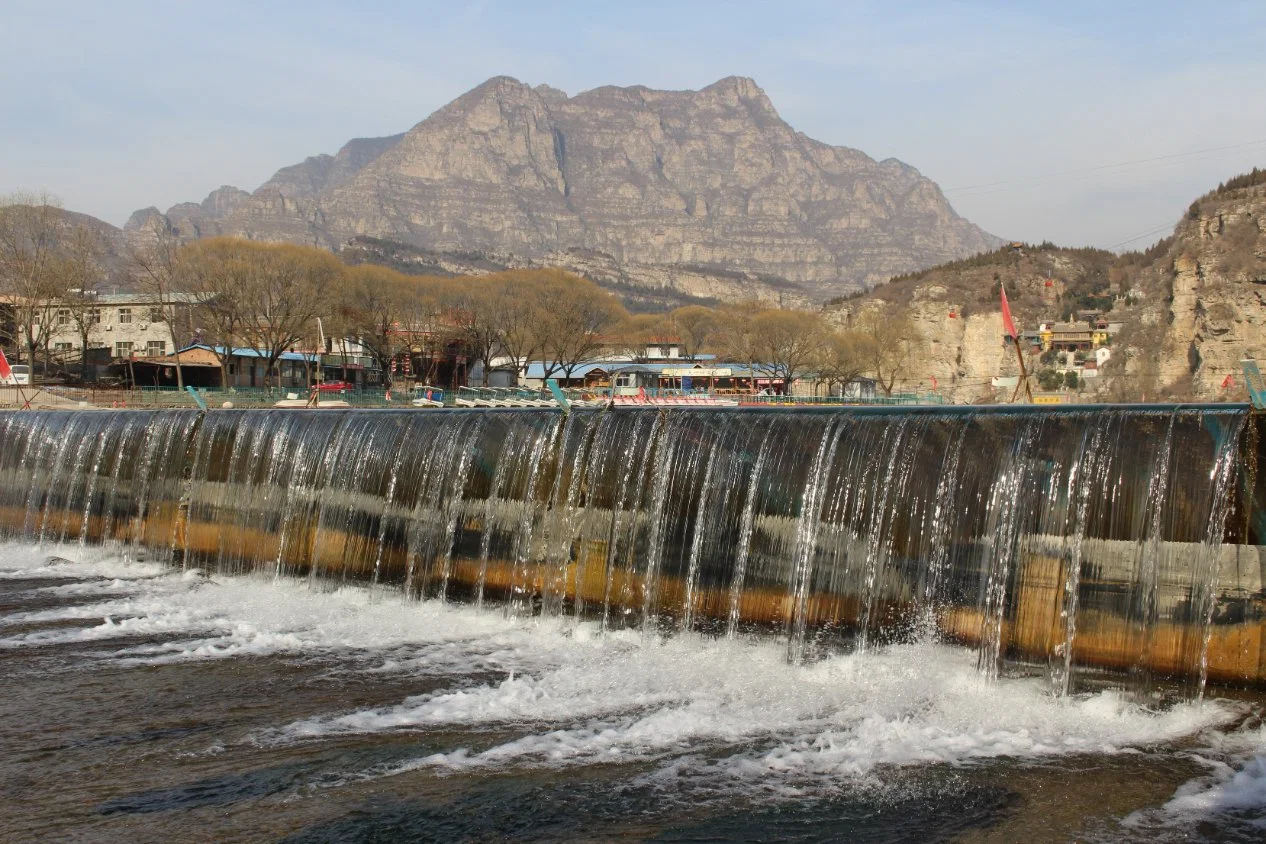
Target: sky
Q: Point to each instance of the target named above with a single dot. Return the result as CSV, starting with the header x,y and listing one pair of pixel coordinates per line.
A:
x,y
1083,123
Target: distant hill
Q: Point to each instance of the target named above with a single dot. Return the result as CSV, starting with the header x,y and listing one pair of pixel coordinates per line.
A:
x,y
1191,306
644,182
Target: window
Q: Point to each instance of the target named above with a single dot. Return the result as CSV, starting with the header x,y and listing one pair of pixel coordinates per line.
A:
x,y
125,317
63,316
123,349
62,349
156,348
155,314
94,316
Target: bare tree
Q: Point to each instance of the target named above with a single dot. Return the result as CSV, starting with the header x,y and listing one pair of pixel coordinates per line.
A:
x,y
286,290
843,359
519,328
735,337
893,344
642,330
788,341
424,328
30,228
471,308
376,305
79,272
576,318
696,327
217,272
156,265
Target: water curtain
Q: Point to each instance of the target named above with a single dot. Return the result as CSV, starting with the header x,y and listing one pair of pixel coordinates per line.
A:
x,y
1113,543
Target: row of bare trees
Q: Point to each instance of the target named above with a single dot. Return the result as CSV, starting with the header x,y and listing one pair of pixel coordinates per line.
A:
x,y
880,342
235,292
268,296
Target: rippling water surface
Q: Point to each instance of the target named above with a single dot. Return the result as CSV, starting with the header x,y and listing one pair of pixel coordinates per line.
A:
x,y
145,703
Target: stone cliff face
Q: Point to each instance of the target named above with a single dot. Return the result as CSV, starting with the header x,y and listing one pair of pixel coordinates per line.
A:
x,y
1213,302
1190,309
677,181
643,287
955,310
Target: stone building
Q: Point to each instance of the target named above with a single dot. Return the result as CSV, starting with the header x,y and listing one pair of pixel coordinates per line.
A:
x,y
121,325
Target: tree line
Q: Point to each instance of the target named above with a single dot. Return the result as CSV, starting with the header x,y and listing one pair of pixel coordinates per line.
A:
x,y
274,297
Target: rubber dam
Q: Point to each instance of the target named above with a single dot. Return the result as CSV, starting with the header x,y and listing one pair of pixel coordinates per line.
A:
x,y
1098,544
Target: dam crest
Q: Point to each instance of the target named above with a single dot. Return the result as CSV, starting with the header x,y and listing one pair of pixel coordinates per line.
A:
x,y
1090,545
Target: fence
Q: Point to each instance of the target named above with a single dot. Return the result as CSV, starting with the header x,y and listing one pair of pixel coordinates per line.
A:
x,y
158,397
827,401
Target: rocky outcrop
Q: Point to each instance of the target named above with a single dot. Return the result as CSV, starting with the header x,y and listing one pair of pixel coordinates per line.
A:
x,y
1189,309
955,311
1215,312
711,179
290,189
643,287
325,172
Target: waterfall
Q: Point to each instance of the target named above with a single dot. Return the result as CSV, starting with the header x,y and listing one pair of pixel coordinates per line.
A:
x,y
1086,543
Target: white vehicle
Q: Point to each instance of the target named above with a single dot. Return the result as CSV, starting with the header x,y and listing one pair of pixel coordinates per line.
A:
x,y
20,377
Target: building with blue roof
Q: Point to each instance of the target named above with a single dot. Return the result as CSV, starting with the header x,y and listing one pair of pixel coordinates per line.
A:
x,y
200,366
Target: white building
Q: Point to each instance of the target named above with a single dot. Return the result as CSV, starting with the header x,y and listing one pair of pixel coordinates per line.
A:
x,y
126,325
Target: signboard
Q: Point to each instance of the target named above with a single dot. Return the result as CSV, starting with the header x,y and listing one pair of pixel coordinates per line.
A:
x,y
696,372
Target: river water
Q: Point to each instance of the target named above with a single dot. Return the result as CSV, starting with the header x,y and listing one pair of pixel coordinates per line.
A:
x,y
142,702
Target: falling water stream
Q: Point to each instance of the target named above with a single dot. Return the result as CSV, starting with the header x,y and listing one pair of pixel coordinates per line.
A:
x,y
757,611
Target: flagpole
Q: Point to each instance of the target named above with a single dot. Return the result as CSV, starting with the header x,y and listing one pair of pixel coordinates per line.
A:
x,y
1024,376
1009,324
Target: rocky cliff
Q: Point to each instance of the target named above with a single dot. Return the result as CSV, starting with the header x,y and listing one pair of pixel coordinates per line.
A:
x,y
642,287
1189,308
650,182
1208,291
955,310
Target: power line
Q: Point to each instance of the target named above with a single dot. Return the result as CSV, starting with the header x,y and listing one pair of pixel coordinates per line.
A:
x,y
1165,228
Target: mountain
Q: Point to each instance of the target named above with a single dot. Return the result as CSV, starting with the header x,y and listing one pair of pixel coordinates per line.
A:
x,y
1205,294
1190,307
712,180
642,288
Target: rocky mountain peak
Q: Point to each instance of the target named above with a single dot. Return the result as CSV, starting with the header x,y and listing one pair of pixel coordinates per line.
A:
x,y
741,89
223,200
141,219
710,179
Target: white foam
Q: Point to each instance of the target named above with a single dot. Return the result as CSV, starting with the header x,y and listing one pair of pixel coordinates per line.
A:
x,y
26,561
1232,792
216,617
757,717
731,711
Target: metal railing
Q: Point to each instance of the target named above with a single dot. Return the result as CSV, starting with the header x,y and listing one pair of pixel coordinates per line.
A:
x,y
896,399
159,397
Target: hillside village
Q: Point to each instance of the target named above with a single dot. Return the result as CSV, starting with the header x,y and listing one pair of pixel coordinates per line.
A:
x,y
1171,322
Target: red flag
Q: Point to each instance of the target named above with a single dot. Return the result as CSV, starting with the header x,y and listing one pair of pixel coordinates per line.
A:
x,y
6,371
1007,322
